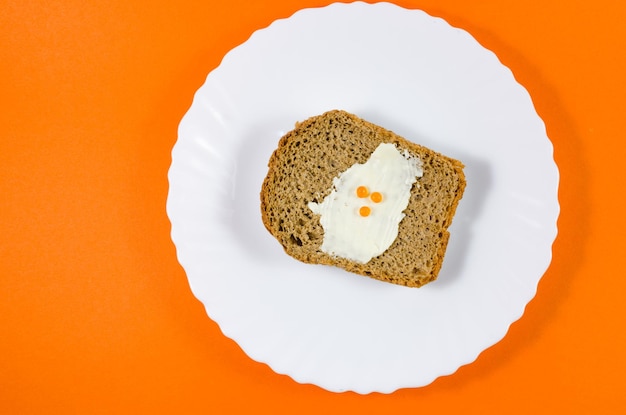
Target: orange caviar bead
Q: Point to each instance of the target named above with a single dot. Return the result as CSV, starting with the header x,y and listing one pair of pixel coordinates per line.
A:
x,y
376,197
365,211
362,191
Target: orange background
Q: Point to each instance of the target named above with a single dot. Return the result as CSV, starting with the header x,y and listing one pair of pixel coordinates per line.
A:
x,y
96,315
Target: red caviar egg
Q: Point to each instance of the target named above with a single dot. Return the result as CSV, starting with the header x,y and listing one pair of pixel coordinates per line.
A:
x,y
362,191
365,211
376,197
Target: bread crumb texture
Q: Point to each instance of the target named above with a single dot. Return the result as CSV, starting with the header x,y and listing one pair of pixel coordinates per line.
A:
x,y
302,169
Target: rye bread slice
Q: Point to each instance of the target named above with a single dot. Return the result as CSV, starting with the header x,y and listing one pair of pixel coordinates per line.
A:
x,y
302,168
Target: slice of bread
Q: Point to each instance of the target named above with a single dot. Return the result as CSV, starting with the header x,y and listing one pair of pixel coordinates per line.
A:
x,y
302,169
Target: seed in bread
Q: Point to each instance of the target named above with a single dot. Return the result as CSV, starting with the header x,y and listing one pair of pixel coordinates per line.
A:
x,y
311,166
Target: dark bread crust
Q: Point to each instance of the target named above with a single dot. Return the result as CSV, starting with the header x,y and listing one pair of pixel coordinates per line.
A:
x,y
302,169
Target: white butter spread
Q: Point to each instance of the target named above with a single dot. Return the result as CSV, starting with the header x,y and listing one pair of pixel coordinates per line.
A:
x,y
360,237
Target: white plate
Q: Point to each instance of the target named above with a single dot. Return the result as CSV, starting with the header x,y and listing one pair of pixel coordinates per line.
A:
x,y
425,80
